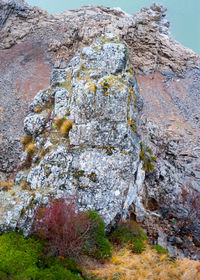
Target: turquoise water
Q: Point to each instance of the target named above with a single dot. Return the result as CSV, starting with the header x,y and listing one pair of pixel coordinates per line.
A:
x,y
184,15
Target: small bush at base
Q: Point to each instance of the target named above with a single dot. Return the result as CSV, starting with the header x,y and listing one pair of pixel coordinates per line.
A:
x,y
63,227
138,246
97,245
25,259
57,272
72,233
127,233
160,249
132,235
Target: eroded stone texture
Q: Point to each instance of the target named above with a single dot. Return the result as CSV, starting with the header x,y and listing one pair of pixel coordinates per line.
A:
x,y
146,33
33,42
170,125
98,162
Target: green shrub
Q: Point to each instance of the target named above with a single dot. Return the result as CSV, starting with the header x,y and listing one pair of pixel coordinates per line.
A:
x,y
25,259
132,235
127,233
147,158
67,263
17,254
160,249
138,246
3,275
57,272
97,245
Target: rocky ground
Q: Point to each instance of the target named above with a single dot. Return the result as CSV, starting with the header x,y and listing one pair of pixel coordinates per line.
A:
x,y
34,42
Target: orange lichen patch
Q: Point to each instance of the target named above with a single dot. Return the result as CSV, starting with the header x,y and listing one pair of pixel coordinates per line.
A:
x,y
6,185
65,127
38,110
92,87
1,109
124,265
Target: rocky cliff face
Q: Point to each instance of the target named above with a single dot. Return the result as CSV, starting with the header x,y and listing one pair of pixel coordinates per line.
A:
x,y
82,139
34,42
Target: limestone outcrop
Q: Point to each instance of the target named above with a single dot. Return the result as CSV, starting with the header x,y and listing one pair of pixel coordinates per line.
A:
x,y
34,42
96,159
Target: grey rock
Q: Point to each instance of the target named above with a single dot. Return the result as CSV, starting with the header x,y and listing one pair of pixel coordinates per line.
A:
x,y
34,123
8,7
61,103
99,161
41,99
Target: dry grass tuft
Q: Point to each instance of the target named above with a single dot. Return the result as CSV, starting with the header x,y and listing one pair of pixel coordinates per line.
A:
x,y
190,269
58,122
31,149
124,265
6,185
65,127
26,140
26,186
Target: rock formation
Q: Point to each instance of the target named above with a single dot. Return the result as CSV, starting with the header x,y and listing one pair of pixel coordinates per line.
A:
x,y
82,139
34,42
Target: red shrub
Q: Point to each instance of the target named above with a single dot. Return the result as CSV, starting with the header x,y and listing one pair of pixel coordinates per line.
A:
x,y
63,227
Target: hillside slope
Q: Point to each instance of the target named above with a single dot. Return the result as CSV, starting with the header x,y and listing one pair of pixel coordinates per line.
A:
x,y
34,42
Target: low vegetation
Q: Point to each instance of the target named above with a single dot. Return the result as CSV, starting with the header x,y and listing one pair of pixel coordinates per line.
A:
x,y
130,235
70,233
66,244
159,249
6,185
26,139
64,126
124,265
28,144
146,155
26,259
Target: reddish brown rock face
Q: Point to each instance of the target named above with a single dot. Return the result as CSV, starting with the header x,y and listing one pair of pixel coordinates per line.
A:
x,y
34,71
172,110
172,102
24,70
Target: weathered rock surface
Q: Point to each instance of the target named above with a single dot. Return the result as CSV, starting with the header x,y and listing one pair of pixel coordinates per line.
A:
x,y
33,42
170,125
99,161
